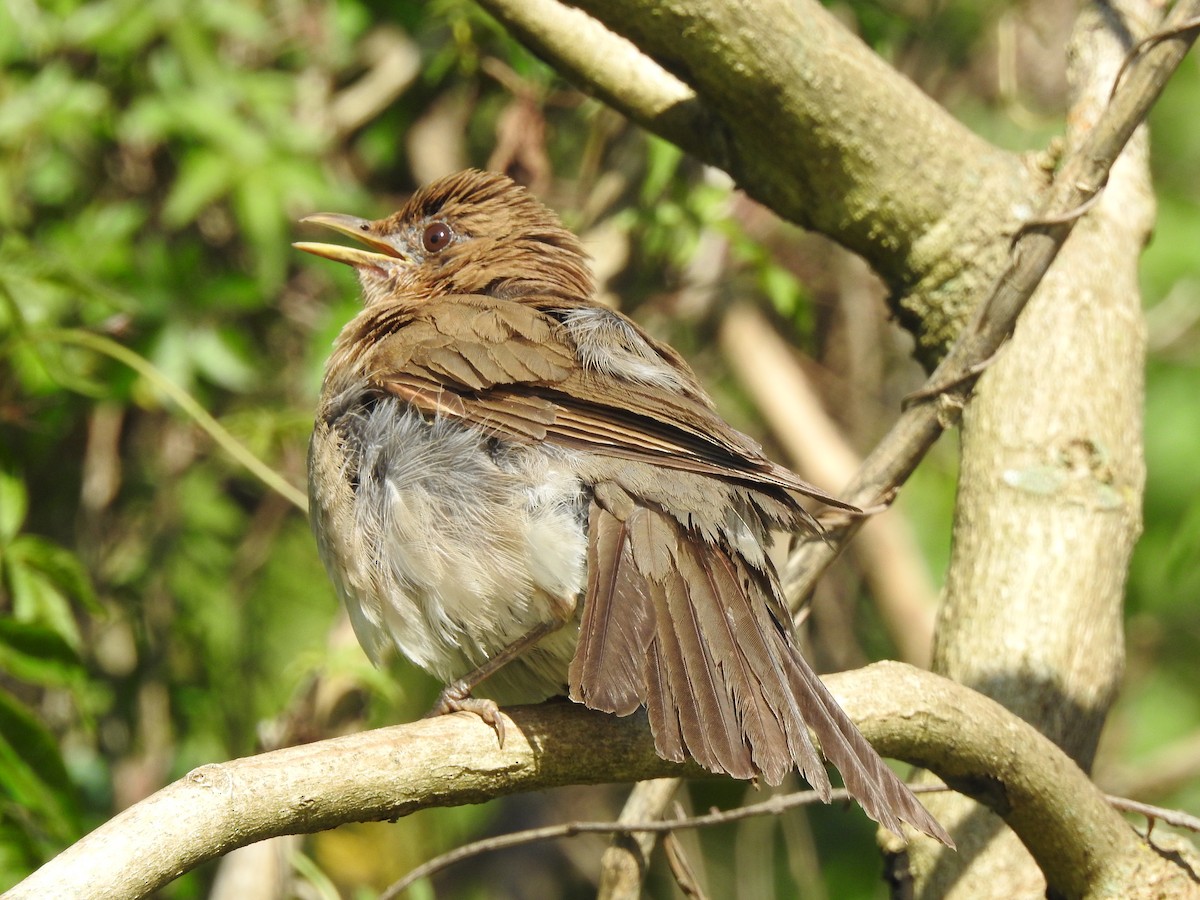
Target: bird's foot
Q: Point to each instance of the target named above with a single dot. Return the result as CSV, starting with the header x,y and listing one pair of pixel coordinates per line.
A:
x,y
457,698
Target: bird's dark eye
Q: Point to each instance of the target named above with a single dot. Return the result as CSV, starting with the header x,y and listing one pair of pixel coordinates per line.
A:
x,y
436,237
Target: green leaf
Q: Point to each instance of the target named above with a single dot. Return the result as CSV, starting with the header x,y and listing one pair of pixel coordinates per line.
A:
x,y
60,567
32,771
37,654
219,359
781,288
663,159
19,851
258,208
13,506
35,595
203,179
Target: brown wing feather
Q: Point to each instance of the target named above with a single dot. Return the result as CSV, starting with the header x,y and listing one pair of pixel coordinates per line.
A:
x,y
663,706
883,796
513,357
722,680
749,653
614,634
714,711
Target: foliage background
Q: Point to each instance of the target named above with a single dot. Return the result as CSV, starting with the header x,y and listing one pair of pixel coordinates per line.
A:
x,y
160,607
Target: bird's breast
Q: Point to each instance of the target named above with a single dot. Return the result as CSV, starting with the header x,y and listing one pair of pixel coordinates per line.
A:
x,y
445,543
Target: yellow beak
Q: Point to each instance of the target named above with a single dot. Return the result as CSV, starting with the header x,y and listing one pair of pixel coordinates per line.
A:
x,y
359,229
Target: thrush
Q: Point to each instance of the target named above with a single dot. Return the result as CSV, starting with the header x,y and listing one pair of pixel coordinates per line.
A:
x,y
512,482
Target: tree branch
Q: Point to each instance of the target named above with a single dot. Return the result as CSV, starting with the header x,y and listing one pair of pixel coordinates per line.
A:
x,y
811,122
765,74
976,745
611,67
371,776
1050,486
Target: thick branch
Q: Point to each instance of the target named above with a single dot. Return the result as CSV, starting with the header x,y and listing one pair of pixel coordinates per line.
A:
x,y
1083,846
372,776
1050,488
808,120
607,65
972,742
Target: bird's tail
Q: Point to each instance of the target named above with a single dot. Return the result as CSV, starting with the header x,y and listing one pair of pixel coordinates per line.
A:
x,y
696,634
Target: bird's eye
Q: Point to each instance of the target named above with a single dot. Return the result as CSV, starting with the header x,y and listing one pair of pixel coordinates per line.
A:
x,y
436,237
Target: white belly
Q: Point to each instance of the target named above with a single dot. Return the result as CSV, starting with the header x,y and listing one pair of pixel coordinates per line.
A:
x,y
457,545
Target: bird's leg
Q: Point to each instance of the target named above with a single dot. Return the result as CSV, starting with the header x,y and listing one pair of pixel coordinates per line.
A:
x,y
456,696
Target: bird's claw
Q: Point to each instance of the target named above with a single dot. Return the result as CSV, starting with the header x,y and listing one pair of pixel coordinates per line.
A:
x,y
457,698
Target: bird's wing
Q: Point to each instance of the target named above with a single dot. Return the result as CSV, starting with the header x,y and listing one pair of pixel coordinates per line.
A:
x,y
513,370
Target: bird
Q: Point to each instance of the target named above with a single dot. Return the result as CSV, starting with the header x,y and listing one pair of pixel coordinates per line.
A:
x,y
522,491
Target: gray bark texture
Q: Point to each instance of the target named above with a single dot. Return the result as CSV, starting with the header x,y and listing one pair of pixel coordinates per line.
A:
x,y
1049,502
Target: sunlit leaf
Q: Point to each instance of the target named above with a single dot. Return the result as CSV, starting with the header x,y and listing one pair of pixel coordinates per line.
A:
x,y
220,360
259,211
663,159
204,177
13,505
37,595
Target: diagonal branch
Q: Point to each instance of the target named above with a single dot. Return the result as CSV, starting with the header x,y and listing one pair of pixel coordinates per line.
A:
x,y
809,121
1081,177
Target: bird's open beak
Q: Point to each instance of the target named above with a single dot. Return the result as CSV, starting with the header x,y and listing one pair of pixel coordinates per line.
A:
x,y
360,230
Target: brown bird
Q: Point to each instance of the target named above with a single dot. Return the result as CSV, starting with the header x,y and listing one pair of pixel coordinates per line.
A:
x,y
510,481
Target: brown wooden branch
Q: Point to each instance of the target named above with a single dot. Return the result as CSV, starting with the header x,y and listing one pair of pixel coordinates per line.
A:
x,y
973,743
811,122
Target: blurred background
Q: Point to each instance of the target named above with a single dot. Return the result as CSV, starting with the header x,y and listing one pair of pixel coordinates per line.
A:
x,y
161,602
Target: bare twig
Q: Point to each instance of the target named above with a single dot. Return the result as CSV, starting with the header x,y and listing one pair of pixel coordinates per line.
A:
x,y
682,868
773,806
1175,817
624,863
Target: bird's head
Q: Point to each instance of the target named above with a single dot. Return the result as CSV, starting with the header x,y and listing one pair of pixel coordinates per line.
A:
x,y
470,233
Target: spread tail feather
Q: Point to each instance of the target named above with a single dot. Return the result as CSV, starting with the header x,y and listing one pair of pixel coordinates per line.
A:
x,y
686,629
